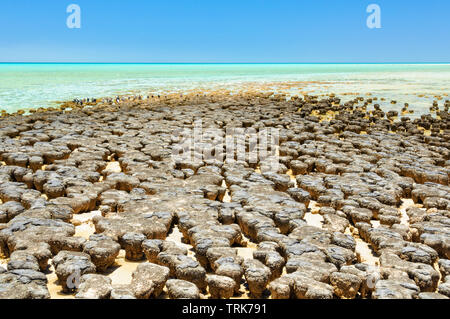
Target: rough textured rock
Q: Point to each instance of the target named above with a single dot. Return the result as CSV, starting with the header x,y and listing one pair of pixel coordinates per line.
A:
x,y
220,287
444,267
392,289
345,285
282,288
149,280
23,260
431,295
132,243
444,287
103,251
227,267
23,284
307,288
71,266
122,292
257,276
94,286
190,270
182,289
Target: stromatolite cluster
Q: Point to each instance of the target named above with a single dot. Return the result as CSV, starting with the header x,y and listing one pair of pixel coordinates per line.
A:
x,y
356,171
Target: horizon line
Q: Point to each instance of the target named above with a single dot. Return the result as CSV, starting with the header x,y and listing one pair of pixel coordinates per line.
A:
x,y
18,62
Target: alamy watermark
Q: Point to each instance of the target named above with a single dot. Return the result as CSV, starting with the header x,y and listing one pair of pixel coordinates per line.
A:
x,y
372,277
74,19
374,19
200,144
73,281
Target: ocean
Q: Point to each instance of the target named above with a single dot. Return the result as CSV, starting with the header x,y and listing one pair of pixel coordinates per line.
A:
x,y
33,85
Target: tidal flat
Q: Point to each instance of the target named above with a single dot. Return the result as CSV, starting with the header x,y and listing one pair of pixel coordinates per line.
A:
x,y
94,204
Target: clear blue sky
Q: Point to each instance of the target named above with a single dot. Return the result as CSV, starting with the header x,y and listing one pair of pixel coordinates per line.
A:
x,y
225,31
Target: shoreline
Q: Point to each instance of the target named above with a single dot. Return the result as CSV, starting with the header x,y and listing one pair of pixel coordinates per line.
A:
x,y
276,90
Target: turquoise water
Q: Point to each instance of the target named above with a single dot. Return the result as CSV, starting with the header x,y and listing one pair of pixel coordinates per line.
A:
x,y
41,85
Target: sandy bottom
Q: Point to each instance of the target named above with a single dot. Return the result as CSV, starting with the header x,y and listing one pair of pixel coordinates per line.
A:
x,y
177,237
375,223
312,217
113,167
292,176
84,231
365,254
120,272
226,197
85,218
3,263
406,203
247,252
84,227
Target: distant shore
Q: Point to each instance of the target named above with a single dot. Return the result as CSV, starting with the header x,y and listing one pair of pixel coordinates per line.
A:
x,y
255,89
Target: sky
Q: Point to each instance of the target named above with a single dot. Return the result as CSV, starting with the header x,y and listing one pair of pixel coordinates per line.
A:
x,y
219,31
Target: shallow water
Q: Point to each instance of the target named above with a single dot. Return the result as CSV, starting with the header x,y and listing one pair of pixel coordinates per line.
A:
x,y
24,86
